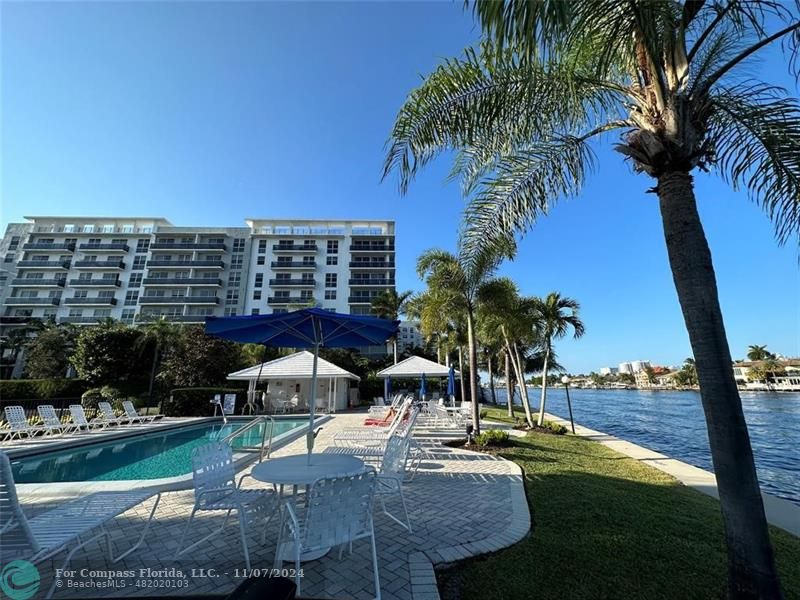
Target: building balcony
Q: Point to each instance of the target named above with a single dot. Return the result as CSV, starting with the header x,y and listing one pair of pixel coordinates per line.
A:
x,y
60,247
179,281
25,282
97,282
178,300
360,299
185,264
292,282
288,300
43,264
372,264
98,264
205,246
95,301
91,320
105,247
308,248
371,247
185,318
21,301
294,265
372,282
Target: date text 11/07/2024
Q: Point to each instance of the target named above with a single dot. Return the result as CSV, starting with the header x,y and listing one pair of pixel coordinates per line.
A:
x,y
247,573
172,573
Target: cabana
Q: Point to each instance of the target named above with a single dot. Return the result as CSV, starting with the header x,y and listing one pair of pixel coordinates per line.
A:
x,y
414,367
291,374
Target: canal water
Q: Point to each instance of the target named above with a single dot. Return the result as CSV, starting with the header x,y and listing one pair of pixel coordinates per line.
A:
x,y
672,423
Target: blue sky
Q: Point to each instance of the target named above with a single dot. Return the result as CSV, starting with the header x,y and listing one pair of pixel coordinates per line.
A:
x,y
207,113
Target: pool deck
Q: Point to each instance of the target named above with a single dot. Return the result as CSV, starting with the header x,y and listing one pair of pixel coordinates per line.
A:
x,y
461,504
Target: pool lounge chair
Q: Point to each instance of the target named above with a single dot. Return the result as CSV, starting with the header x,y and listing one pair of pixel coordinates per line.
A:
x,y
18,424
79,419
134,417
108,416
372,436
70,526
51,421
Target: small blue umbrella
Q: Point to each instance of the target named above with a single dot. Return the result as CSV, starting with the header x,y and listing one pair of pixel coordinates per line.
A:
x,y
305,328
422,387
451,382
387,387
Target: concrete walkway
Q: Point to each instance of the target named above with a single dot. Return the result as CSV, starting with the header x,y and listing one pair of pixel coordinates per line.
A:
x,y
780,512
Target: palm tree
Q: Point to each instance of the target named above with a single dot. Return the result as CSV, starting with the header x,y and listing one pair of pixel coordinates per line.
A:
x,y
457,282
553,317
157,335
553,77
756,353
390,305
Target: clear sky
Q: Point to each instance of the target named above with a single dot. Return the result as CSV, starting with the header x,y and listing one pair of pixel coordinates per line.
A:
x,y
207,113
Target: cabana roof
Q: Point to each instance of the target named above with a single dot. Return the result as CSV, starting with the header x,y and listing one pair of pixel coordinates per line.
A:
x,y
416,366
294,366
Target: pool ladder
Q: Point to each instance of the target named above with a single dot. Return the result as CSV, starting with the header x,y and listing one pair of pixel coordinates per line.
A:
x,y
266,443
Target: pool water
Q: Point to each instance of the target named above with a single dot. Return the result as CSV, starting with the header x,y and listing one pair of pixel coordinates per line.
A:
x,y
148,456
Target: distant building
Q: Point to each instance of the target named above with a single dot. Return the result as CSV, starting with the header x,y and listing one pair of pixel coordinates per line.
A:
x,y
409,336
609,370
625,368
642,379
639,365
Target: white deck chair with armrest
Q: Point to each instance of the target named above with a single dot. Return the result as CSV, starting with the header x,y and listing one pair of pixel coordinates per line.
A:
x,y
108,416
391,476
215,489
133,416
370,433
67,527
18,424
79,420
380,411
51,421
338,512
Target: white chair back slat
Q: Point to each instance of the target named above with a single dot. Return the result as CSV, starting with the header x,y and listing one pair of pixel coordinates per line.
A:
x,y
107,412
48,415
130,410
212,468
15,416
339,509
395,457
11,515
78,415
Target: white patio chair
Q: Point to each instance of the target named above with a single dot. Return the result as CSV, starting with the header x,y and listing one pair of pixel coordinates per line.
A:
x,y
108,416
278,406
50,420
79,522
381,410
391,476
79,420
338,512
18,424
375,449
215,489
133,415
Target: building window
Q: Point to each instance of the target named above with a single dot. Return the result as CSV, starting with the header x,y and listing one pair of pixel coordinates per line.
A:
x,y
135,280
131,297
255,311
261,260
330,280
127,229
330,294
332,261
106,294
333,246
9,257
108,229
142,246
238,245
14,243
232,297
257,295
262,246
306,294
237,261
88,229
230,312
127,315
69,228
147,229
259,280
138,263
234,279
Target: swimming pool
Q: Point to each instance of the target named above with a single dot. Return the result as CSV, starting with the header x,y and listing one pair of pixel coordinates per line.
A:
x,y
155,455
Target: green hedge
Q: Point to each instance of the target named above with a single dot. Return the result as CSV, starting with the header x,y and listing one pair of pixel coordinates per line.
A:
x,y
41,389
196,402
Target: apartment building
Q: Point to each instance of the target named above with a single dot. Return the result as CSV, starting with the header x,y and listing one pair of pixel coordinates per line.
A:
x,y
84,269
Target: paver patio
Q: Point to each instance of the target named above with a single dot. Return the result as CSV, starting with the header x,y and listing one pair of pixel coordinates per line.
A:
x,y
461,503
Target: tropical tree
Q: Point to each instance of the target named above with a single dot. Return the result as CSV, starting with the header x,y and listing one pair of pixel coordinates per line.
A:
x,y
756,353
14,340
104,353
666,76
47,354
391,305
156,335
553,318
456,281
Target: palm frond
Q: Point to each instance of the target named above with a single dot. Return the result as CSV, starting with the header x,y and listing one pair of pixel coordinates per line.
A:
x,y
755,132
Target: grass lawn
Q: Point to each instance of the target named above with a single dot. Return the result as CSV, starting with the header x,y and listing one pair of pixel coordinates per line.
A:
x,y
608,526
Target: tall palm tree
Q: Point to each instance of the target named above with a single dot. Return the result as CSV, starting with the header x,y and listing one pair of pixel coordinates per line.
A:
x,y
553,317
458,282
158,334
390,305
755,352
553,77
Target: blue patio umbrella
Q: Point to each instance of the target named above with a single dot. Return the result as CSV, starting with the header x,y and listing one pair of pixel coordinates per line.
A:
x,y
306,328
387,387
451,382
423,391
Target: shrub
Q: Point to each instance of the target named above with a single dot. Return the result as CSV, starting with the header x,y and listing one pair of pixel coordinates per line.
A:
x,y
484,414
492,438
91,398
41,389
555,427
196,402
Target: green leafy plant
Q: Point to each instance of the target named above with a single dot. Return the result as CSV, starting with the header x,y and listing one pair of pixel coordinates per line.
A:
x,y
196,402
41,389
555,427
493,438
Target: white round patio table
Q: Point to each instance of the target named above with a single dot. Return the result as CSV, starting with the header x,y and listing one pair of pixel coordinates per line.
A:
x,y
294,470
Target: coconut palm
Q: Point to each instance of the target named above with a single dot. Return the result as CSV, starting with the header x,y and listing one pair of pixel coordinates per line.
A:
x,y
553,77
456,283
755,353
158,334
390,305
553,318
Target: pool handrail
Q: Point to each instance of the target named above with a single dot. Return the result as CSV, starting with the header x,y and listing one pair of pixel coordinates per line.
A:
x,y
249,426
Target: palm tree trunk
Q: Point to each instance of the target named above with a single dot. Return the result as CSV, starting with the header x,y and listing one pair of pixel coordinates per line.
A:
x,y
152,377
461,369
491,378
543,397
751,563
394,349
473,373
520,376
509,386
